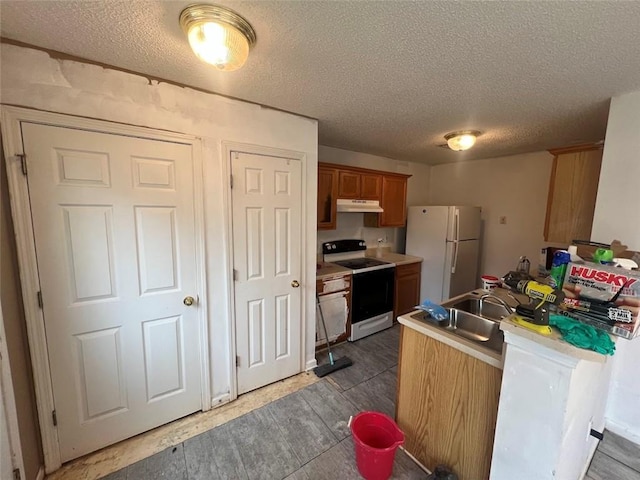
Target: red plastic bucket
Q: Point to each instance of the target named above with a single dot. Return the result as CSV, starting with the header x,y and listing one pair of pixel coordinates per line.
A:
x,y
376,438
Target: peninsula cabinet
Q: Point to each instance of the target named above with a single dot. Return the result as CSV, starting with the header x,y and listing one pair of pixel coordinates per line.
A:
x,y
447,405
572,193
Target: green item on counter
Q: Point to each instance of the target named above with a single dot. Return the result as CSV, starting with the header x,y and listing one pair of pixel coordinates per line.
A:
x,y
583,335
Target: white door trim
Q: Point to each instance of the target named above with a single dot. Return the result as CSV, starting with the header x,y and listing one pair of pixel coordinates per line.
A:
x,y
228,148
11,118
7,396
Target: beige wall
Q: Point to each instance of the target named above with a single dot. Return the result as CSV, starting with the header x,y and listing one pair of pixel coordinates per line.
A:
x,y
350,225
16,338
617,216
515,187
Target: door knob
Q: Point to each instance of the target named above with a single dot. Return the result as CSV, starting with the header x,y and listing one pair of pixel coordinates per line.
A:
x,y
295,284
188,301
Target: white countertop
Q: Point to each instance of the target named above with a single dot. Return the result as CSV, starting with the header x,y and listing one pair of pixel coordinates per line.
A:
x,y
476,350
328,269
397,258
553,341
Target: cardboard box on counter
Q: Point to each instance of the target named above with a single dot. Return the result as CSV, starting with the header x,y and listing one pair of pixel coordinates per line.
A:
x,y
601,283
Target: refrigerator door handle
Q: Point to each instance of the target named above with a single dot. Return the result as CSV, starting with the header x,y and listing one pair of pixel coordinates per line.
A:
x,y
455,256
455,240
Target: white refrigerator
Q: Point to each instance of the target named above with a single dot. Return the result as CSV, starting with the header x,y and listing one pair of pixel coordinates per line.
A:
x,y
448,239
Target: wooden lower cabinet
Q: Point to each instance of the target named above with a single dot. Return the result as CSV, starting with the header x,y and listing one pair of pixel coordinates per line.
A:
x,y
407,289
447,405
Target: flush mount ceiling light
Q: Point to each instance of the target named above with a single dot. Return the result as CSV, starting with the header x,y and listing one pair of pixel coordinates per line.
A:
x,y
218,35
462,140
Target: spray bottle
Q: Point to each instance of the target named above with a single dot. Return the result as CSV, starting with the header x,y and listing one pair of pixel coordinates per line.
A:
x,y
559,267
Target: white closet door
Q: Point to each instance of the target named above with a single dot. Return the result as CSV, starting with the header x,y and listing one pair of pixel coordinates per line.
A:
x,y
114,227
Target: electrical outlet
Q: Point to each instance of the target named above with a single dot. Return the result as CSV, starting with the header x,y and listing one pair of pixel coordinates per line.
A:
x,y
503,220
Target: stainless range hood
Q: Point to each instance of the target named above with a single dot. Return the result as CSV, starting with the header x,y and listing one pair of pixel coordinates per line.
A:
x,y
347,205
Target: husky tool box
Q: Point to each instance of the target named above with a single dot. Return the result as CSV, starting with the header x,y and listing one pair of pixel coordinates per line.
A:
x,y
601,283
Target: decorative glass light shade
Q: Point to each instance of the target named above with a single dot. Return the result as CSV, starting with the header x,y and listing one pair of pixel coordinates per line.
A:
x,y
462,140
217,35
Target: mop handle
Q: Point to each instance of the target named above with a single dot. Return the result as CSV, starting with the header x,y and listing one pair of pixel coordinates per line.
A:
x,y
326,335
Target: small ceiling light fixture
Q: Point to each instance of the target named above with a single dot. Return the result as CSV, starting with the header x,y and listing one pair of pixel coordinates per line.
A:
x,y
218,35
462,140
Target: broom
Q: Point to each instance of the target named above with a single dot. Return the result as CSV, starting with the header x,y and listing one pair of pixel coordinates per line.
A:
x,y
333,365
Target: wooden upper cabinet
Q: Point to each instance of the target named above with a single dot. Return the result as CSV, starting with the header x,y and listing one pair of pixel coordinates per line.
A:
x,y
362,186
327,191
348,184
572,193
370,186
393,201
339,181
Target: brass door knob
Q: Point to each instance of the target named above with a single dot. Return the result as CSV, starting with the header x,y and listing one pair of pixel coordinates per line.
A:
x,y
295,284
188,301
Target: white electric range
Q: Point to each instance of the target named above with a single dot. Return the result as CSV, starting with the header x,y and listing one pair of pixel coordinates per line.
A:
x,y
372,287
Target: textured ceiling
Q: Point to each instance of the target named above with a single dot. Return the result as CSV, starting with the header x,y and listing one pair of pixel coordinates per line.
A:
x,y
386,77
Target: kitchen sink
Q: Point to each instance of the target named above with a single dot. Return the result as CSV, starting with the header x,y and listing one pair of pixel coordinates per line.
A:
x,y
474,320
488,308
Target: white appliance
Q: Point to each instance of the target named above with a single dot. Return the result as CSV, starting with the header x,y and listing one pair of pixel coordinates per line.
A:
x,y
348,205
447,238
372,288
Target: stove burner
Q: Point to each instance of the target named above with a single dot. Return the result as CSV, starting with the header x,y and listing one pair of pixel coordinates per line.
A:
x,y
359,263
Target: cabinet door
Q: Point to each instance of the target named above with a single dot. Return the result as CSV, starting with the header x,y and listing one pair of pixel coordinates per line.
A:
x,y
394,202
348,184
327,190
572,195
407,291
370,187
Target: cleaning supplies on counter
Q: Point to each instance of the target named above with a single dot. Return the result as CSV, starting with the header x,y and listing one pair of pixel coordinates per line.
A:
x,y
561,259
582,335
524,265
603,256
435,311
489,282
573,252
610,291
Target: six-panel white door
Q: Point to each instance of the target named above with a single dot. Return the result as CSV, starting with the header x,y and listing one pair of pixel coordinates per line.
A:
x,y
267,238
114,225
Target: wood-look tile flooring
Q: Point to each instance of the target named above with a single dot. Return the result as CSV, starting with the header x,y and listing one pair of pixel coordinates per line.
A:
x,y
303,435
615,459
295,429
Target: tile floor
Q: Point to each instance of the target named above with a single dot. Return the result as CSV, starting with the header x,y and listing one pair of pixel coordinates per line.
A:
x,y
303,435
615,459
299,435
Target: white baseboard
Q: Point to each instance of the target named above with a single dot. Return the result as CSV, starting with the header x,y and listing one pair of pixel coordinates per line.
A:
x,y
623,430
311,364
40,475
220,400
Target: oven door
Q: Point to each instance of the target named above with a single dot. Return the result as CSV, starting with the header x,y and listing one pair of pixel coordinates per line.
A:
x,y
372,294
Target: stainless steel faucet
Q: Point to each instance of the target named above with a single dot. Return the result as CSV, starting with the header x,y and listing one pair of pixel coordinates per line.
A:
x,y
485,296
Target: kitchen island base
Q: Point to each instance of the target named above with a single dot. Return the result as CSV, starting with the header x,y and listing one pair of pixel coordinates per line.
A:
x,y
447,405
